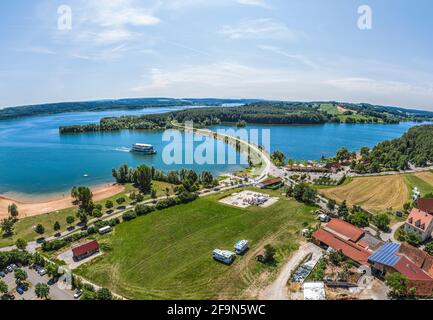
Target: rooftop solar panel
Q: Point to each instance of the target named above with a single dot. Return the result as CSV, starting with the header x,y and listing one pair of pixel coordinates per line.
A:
x,y
386,255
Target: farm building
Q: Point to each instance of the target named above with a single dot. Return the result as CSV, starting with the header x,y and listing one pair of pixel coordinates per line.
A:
x,y
270,183
85,250
354,242
425,205
420,222
411,262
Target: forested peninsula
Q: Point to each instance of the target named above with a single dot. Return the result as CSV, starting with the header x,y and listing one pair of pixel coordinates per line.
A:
x,y
262,112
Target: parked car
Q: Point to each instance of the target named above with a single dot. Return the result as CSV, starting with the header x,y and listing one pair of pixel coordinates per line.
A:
x,y
9,269
42,272
14,266
20,290
2,274
5,271
78,294
58,235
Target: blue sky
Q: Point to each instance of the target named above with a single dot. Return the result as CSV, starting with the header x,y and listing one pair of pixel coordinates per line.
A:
x,y
274,49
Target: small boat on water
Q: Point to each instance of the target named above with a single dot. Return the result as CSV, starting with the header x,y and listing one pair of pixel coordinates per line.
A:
x,y
146,149
86,175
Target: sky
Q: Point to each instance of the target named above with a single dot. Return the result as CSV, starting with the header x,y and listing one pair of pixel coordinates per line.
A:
x,y
307,50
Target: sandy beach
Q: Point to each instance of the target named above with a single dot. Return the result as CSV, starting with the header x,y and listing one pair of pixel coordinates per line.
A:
x,y
30,208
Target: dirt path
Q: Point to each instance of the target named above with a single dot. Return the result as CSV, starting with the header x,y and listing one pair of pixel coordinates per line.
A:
x,y
278,289
29,209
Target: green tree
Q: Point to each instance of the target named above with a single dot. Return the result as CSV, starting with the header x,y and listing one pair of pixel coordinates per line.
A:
x,y
207,178
343,210
269,254
120,201
83,197
3,287
21,244
56,226
13,211
42,291
398,284
337,258
382,221
7,227
70,220
278,158
153,194
109,204
143,179
429,248
40,229
343,154
104,294
139,198
20,275
413,238
331,205
359,219
82,216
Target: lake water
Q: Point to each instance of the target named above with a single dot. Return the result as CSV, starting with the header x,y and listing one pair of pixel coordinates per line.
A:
x,y
311,142
36,161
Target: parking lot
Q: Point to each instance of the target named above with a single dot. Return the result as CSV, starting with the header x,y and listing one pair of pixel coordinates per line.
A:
x,y
56,293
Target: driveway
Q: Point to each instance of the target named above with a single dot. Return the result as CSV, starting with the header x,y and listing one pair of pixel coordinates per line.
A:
x,y
278,289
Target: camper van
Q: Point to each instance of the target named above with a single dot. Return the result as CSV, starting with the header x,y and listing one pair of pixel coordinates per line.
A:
x,y
241,246
105,230
223,256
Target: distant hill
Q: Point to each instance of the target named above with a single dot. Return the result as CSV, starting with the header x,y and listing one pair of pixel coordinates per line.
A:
x,y
120,104
264,112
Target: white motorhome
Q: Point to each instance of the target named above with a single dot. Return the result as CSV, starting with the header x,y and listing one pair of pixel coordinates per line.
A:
x,y
223,256
105,230
241,246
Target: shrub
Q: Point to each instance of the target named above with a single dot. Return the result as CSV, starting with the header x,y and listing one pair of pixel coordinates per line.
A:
x,y
142,209
128,216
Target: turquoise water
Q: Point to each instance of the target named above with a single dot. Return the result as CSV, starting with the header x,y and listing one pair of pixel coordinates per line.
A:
x,y
311,142
35,160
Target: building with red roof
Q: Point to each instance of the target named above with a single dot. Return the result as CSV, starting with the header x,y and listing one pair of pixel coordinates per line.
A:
x,y
86,250
414,264
425,205
420,222
345,237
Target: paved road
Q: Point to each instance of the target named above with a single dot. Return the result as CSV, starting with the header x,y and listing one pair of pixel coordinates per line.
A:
x,y
278,289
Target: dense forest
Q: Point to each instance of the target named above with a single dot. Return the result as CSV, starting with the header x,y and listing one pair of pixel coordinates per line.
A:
x,y
414,148
265,112
104,105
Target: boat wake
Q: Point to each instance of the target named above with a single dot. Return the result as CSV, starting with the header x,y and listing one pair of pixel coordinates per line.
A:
x,y
123,149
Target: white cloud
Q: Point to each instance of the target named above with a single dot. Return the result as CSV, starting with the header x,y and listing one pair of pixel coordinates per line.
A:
x,y
231,79
38,50
297,57
258,29
258,3
180,4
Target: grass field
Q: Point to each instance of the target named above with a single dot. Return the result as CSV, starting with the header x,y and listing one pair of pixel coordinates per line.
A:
x,y
372,193
381,193
427,176
168,254
24,228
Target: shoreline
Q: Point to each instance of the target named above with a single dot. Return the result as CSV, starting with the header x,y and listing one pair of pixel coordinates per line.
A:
x,y
30,207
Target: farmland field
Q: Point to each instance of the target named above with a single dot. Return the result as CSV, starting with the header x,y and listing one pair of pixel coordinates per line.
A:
x,y
168,254
427,176
381,193
372,193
